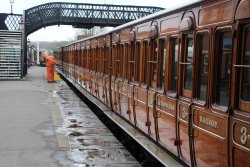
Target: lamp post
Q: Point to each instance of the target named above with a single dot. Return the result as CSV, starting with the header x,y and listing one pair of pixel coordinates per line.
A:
x,y
11,4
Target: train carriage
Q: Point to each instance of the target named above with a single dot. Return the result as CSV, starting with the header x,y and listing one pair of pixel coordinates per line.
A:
x,y
181,76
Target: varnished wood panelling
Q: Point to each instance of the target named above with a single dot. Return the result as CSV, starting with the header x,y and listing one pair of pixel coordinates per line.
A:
x,y
88,44
211,123
107,39
126,35
142,31
93,42
83,45
101,41
170,24
243,10
115,37
166,105
241,133
215,13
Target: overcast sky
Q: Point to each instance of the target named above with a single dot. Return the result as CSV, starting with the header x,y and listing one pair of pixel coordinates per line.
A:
x,y
55,33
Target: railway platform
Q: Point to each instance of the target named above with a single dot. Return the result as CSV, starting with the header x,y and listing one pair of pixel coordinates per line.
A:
x,y
46,124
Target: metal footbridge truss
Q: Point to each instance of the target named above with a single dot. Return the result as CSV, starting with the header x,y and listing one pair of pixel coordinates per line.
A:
x,y
82,15
13,59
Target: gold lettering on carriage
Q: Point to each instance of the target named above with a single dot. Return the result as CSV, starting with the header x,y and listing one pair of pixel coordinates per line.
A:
x,y
209,122
165,105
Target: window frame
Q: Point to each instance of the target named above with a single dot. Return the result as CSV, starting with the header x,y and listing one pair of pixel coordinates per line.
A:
x,y
197,64
170,67
96,59
120,54
131,60
127,51
162,66
153,83
242,105
137,61
106,60
216,53
145,56
114,53
85,58
183,63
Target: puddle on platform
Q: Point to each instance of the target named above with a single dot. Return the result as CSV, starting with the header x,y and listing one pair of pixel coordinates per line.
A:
x,y
91,143
62,158
74,126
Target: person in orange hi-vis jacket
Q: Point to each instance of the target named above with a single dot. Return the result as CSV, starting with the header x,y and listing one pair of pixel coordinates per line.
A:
x,y
50,64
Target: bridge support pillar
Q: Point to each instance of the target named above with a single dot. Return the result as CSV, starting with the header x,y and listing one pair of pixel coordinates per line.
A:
x,y
24,59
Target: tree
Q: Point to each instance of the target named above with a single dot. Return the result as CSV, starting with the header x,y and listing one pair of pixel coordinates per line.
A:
x,y
93,31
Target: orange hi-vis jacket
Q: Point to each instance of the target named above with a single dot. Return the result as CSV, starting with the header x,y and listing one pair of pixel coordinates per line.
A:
x,y
50,64
51,61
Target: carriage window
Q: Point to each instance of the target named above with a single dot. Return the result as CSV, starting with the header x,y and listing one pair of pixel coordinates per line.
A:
x,y
131,62
137,60
99,60
153,63
121,58
89,59
100,57
223,68
144,60
125,62
162,54
80,57
174,63
106,60
96,59
188,60
84,59
245,85
77,58
117,61
114,60
203,48
81,53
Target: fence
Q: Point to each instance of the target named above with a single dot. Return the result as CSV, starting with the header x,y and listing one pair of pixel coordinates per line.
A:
x,y
10,54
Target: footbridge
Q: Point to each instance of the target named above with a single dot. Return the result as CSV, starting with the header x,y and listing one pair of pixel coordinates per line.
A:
x,y
83,15
79,15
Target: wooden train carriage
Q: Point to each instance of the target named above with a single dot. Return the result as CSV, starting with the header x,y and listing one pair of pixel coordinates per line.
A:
x,y
182,77
88,56
82,61
100,61
107,69
77,62
65,60
59,58
121,87
92,65
240,88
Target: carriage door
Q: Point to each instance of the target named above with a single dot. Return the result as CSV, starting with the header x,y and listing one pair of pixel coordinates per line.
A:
x,y
241,119
209,126
185,92
240,122
75,62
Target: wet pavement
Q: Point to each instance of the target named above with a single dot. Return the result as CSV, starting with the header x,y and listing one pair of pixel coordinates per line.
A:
x,y
46,125
91,143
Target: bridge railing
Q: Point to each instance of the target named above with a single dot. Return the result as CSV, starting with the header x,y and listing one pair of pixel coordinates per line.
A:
x,y
83,15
